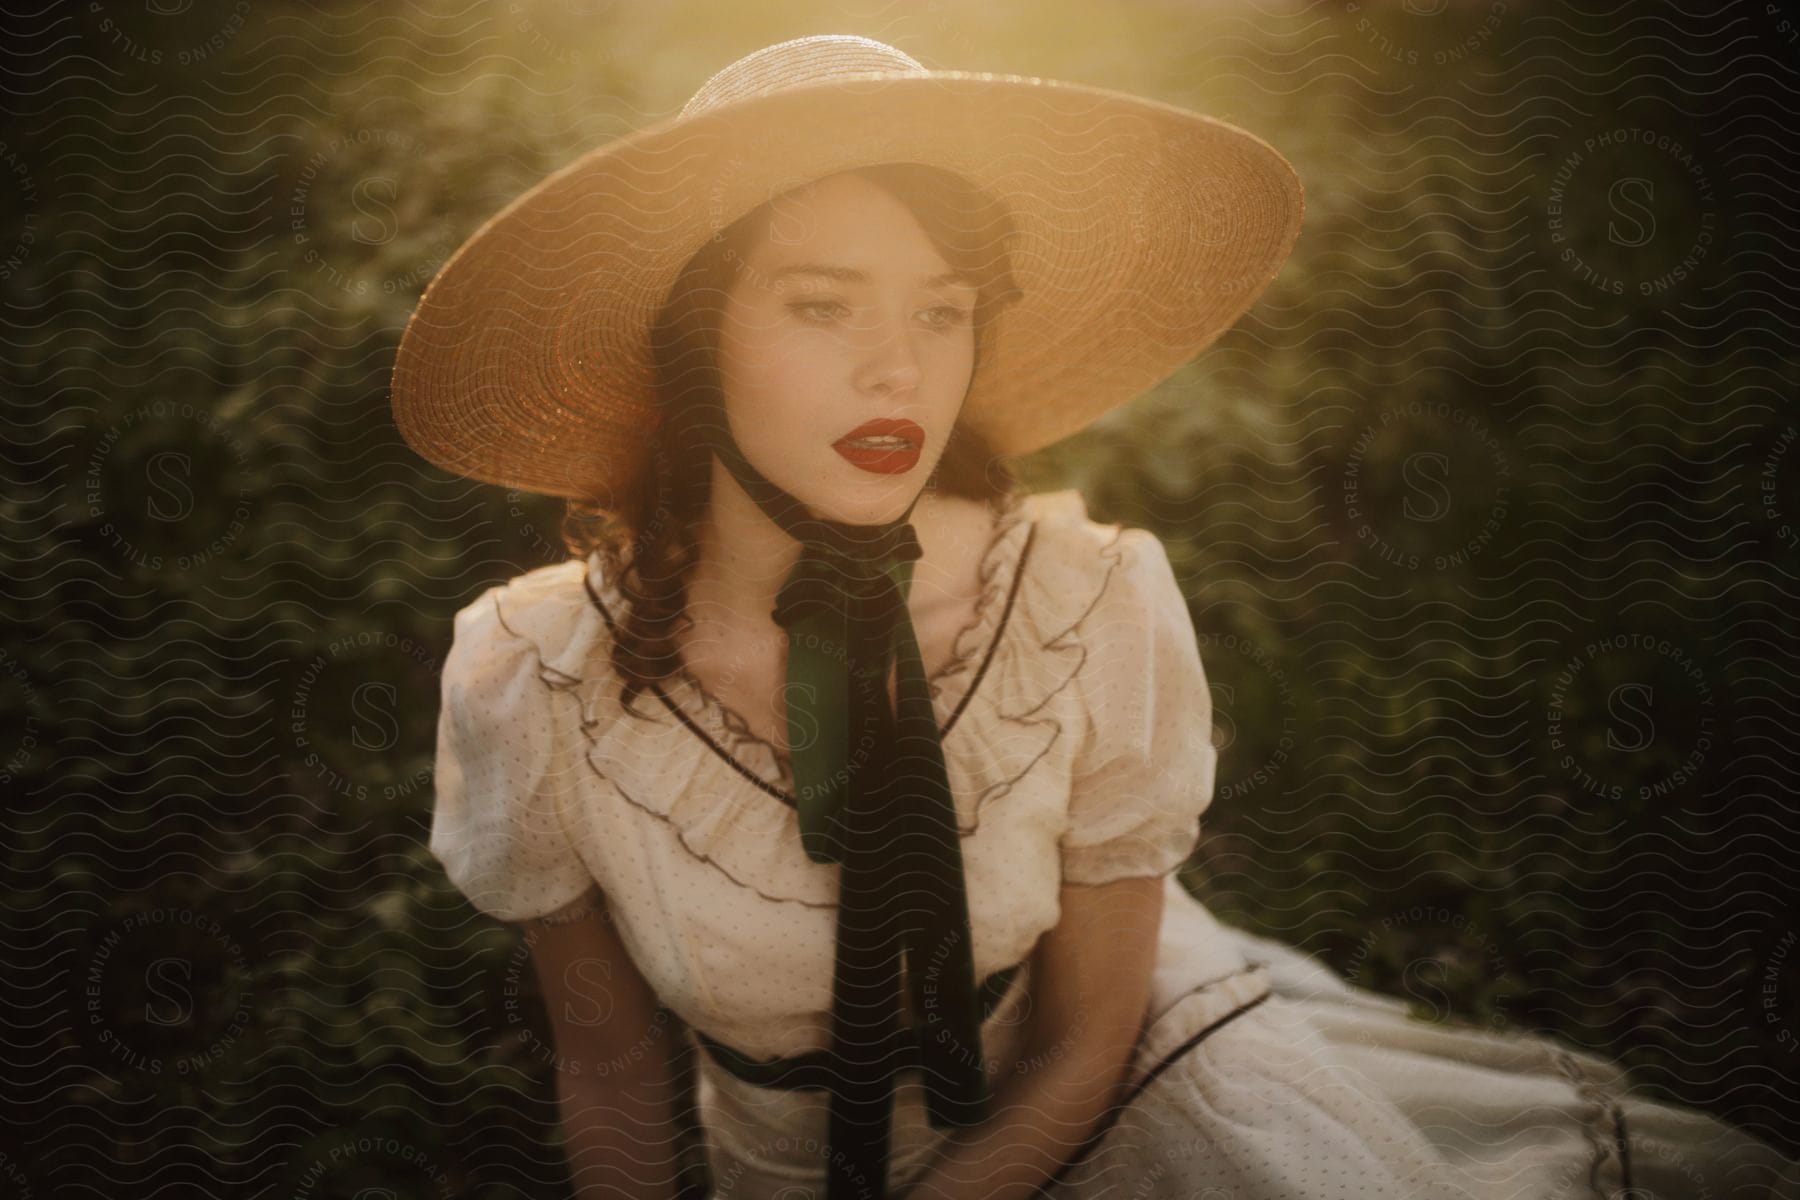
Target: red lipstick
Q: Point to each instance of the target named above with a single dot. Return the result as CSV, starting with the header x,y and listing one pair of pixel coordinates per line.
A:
x,y
897,453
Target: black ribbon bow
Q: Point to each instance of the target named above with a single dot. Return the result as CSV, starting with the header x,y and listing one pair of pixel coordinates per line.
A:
x,y
874,796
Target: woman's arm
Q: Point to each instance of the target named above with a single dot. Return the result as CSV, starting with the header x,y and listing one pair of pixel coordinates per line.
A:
x,y
613,1058
1090,982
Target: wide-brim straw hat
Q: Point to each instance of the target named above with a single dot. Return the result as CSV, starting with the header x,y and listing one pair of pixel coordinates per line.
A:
x,y
1143,231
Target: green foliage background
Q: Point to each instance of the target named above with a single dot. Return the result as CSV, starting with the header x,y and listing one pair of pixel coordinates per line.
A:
x,y
1408,494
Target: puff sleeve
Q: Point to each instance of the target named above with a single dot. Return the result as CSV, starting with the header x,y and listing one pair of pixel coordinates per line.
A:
x,y
505,768
1145,771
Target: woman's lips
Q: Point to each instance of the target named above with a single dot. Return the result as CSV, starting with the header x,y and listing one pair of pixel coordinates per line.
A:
x,y
892,460
882,462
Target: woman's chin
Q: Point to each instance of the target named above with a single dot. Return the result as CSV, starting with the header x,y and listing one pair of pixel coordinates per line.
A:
x,y
870,500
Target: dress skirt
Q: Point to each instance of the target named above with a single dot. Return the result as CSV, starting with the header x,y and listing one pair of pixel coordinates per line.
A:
x,y
1262,1075
1292,1083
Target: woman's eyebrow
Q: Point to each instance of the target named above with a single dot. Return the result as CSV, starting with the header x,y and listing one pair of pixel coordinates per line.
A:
x,y
853,275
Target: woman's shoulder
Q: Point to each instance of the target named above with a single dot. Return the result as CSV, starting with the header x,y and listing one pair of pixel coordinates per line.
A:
x,y
1082,570
544,613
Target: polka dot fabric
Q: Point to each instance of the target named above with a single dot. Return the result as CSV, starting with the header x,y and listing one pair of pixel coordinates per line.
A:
x,y
1077,734
1145,772
506,768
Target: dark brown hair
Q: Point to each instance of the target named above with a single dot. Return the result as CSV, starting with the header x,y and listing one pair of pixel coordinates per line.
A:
x,y
649,545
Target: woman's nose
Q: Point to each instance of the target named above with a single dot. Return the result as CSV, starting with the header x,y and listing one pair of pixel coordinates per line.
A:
x,y
889,356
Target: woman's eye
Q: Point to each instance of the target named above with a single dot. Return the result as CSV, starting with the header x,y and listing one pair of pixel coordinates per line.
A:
x,y
805,307
942,316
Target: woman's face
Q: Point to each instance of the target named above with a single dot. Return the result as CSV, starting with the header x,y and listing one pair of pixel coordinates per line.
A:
x,y
843,314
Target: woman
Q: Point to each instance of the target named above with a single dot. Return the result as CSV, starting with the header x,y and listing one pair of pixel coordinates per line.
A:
x,y
889,860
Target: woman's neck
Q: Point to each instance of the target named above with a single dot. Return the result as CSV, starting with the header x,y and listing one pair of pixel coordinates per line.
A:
x,y
744,557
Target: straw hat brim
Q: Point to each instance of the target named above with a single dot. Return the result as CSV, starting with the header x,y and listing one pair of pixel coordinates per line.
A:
x,y
1144,231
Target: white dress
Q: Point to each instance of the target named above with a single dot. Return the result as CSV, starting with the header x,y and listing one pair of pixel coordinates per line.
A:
x,y
1077,720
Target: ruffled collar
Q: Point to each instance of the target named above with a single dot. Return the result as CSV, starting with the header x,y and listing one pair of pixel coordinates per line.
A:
x,y
732,733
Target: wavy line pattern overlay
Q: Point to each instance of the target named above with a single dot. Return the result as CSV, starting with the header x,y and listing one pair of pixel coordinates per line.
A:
x,y
1488,515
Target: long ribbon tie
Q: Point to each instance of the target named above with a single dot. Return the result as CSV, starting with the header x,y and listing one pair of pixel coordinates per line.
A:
x,y
873,796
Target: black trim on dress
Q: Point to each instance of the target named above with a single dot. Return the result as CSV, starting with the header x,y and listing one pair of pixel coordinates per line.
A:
x,y
1115,1110
1606,1105
814,1071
